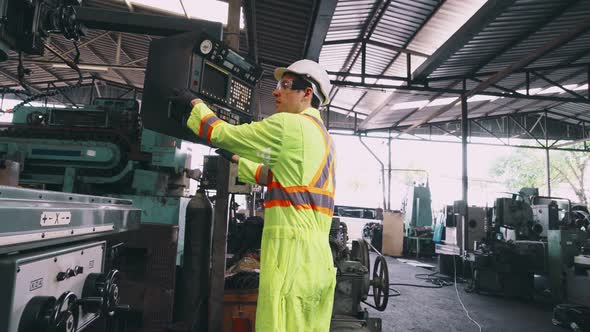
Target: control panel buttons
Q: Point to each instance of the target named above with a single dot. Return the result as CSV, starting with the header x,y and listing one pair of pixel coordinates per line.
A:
x,y
69,273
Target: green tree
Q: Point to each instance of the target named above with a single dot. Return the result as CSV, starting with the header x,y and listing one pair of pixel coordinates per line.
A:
x,y
526,168
570,167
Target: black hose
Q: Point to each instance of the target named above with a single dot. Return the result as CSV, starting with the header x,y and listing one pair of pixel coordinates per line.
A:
x,y
397,293
416,285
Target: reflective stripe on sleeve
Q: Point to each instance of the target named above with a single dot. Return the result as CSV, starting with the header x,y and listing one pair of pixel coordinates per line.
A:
x,y
263,175
208,122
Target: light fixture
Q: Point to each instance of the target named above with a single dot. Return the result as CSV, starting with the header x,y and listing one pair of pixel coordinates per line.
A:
x,y
82,67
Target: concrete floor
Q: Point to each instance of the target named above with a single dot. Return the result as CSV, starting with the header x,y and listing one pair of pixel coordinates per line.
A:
x,y
438,310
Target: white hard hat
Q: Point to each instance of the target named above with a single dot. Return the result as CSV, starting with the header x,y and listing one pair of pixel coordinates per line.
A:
x,y
311,70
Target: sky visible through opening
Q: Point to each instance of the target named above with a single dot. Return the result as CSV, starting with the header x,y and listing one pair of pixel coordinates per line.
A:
x,y
210,10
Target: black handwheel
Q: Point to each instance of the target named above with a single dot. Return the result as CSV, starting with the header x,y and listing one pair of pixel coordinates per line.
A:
x,y
380,283
360,253
97,285
112,291
38,314
67,313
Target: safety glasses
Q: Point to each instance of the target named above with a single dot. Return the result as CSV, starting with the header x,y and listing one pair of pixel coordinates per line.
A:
x,y
284,84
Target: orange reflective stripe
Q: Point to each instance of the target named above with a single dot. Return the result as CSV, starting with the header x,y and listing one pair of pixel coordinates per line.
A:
x,y
203,121
263,175
257,176
210,131
208,122
287,203
300,197
300,189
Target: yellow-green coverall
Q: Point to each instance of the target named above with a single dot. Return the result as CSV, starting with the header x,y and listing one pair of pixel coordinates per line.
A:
x,y
293,155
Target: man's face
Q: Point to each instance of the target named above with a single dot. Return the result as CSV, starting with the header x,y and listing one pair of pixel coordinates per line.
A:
x,y
288,100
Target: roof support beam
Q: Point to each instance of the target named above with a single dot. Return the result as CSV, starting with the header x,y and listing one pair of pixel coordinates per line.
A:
x,y
456,91
98,65
250,9
60,91
550,81
88,42
524,129
376,43
319,28
156,25
564,65
502,117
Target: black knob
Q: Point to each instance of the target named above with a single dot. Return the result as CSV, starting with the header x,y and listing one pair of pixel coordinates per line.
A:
x,y
71,273
62,276
79,269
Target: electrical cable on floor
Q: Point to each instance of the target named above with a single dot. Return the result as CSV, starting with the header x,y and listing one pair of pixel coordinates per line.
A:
x,y
459,297
415,285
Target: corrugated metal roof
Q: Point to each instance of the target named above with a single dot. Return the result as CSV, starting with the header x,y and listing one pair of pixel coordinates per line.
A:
x,y
284,30
416,25
519,29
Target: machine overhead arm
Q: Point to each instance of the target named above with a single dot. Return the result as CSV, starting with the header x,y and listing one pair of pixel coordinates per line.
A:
x,y
156,25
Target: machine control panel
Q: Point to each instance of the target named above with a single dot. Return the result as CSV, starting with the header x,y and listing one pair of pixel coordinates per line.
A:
x,y
222,76
197,62
48,288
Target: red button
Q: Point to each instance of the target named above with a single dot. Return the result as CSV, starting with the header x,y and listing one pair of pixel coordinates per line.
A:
x,y
195,83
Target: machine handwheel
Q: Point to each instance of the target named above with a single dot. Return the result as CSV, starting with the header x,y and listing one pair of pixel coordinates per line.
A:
x,y
105,287
38,314
66,313
380,283
360,253
112,291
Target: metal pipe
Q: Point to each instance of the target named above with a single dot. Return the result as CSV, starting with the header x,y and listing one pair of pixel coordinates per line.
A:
x,y
465,179
389,175
382,168
548,170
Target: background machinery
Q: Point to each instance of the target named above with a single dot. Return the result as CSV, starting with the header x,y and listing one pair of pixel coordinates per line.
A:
x,y
354,282
534,246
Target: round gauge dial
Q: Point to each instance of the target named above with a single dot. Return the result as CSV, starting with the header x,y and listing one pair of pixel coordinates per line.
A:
x,y
206,46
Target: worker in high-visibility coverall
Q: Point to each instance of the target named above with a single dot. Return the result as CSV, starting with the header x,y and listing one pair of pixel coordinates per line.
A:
x,y
292,154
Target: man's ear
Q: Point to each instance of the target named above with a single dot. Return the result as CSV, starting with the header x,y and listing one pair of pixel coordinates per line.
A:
x,y
309,93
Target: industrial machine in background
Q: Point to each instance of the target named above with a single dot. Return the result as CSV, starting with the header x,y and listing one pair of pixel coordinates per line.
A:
x,y
533,240
353,282
418,220
451,218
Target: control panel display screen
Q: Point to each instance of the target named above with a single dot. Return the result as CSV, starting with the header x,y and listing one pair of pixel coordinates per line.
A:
x,y
215,86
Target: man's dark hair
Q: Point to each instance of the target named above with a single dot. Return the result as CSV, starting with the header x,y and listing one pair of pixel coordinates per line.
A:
x,y
300,83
